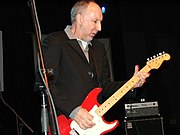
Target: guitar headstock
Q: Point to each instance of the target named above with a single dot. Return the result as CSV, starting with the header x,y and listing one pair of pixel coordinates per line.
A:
x,y
156,61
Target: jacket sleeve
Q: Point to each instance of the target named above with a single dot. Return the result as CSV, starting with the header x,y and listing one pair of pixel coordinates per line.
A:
x,y
109,86
52,57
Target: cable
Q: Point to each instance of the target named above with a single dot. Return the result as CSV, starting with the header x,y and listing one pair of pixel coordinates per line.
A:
x,y
41,65
17,116
49,94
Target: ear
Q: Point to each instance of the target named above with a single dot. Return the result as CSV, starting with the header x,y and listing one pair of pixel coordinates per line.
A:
x,y
79,19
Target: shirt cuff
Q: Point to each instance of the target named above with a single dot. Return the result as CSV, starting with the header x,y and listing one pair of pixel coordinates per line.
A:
x,y
74,112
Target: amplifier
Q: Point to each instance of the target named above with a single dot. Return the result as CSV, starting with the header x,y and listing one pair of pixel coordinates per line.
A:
x,y
150,126
141,109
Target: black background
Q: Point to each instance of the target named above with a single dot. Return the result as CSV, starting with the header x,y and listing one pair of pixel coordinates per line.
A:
x,y
137,29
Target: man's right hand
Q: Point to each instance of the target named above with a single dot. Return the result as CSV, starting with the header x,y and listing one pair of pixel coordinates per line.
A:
x,y
84,119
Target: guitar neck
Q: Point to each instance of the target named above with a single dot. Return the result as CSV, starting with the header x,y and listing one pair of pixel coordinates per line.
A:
x,y
103,108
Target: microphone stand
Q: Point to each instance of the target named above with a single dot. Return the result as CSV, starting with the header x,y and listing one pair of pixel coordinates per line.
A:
x,y
17,116
46,99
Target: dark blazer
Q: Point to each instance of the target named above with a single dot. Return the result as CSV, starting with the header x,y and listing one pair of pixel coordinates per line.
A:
x,y
71,81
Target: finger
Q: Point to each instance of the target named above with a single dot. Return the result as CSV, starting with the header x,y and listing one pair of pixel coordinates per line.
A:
x,y
89,124
85,119
142,77
82,126
89,120
85,123
136,69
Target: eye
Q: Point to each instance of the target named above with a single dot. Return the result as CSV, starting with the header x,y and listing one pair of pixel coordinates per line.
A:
x,y
94,21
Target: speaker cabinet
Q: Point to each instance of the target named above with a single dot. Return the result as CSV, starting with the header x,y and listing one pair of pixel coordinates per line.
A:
x,y
107,45
150,126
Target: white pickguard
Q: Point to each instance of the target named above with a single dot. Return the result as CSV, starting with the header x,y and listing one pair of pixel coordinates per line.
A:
x,y
99,128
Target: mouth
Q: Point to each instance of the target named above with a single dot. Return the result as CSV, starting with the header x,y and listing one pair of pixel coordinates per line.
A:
x,y
93,34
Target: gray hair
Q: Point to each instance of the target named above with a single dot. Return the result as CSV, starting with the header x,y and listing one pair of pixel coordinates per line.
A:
x,y
78,8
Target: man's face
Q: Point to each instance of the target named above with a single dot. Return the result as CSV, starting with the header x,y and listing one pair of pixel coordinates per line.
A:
x,y
91,22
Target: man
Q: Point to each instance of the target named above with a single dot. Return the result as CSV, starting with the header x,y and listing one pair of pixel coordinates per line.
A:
x,y
74,75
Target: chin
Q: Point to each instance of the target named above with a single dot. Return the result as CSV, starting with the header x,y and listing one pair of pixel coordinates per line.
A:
x,y
90,38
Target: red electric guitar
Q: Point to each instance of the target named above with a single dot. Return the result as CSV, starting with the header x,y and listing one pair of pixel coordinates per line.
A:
x,y
97,110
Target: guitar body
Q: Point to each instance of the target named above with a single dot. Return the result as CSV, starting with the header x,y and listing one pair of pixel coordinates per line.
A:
x,y
90,103
94,108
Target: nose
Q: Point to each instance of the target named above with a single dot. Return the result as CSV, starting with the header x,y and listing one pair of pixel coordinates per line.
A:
x,y
98,26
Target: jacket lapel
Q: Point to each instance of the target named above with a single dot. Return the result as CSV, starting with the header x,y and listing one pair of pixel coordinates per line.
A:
x,y
75,45
98,56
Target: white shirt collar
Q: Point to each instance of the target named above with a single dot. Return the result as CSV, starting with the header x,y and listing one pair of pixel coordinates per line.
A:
x,y
84,43
72,36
